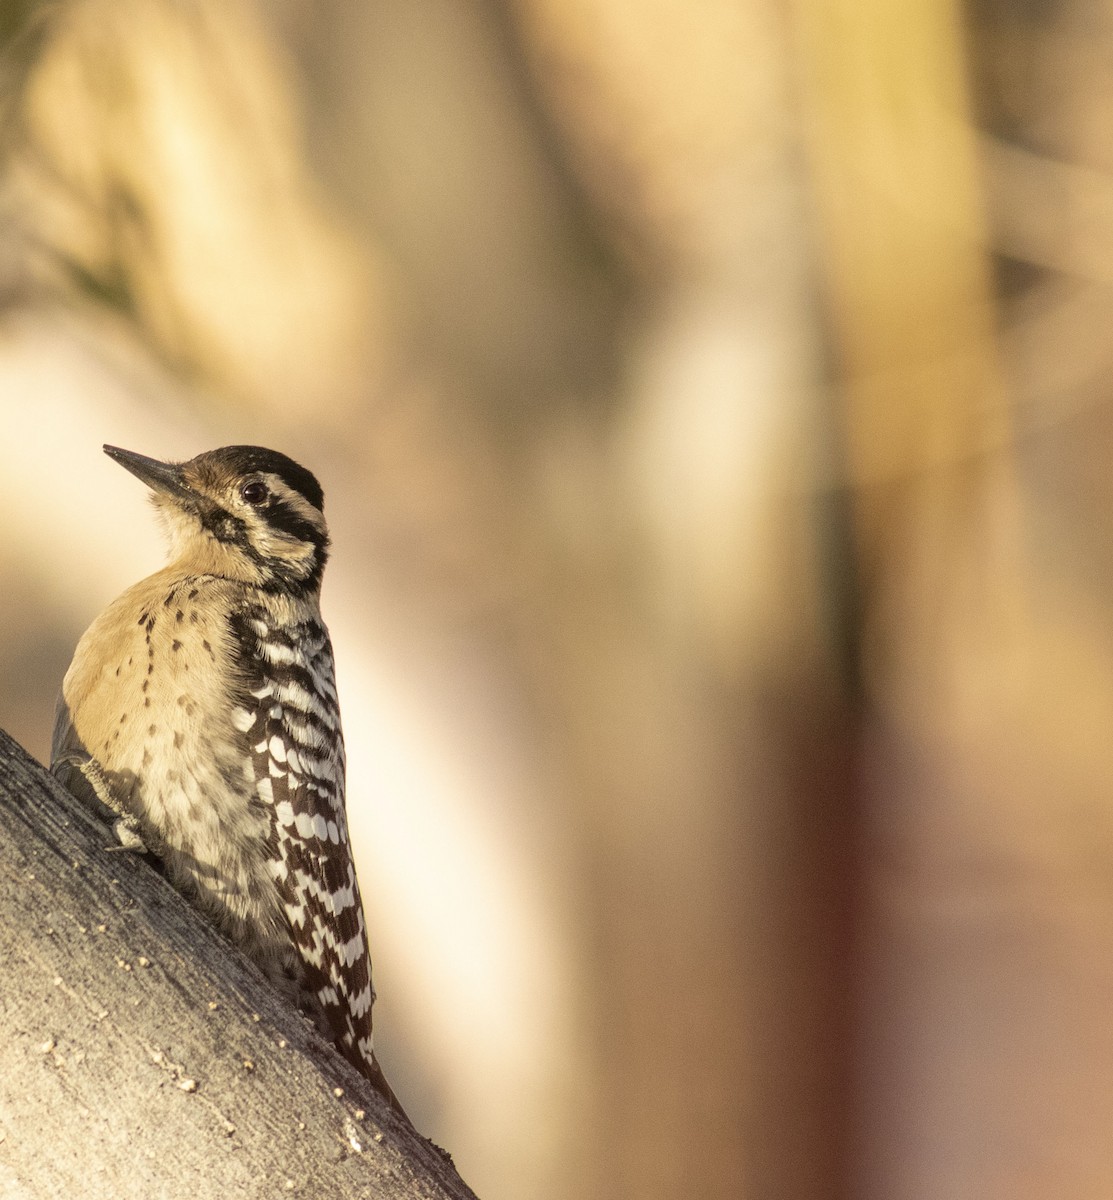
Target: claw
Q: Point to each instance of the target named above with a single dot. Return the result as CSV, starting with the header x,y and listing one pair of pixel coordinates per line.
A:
x,y
126,830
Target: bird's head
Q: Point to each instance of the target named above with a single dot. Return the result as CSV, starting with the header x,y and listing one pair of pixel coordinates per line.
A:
x,y
241,512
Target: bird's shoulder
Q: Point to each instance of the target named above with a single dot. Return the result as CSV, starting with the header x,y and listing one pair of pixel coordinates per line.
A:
x,y
167,626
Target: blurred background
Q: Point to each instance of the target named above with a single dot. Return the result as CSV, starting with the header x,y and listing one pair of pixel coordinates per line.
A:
x,y
712,400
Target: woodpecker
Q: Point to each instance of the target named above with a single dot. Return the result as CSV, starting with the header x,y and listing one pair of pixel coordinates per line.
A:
x,y
200,710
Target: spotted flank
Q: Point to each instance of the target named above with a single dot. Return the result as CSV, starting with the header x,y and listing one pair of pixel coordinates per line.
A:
x,y
294,758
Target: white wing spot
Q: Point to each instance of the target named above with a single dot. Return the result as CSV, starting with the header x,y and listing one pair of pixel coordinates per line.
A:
x,y
275,652
319,768
361,1004
351,951
305,701
277,749
242,719
342,899
311,954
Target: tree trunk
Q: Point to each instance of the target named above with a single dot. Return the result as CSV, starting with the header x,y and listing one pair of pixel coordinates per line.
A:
x,y
141,1055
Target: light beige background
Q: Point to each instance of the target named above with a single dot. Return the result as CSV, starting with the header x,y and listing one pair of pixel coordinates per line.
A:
x,y
712,403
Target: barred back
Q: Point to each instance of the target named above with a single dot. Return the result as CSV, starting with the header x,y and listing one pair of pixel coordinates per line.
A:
x,y
289,716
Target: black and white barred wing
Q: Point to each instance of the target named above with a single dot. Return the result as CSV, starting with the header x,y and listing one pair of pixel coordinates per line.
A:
x,y
297,759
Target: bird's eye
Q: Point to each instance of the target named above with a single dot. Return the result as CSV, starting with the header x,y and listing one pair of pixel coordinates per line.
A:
x,y
254,493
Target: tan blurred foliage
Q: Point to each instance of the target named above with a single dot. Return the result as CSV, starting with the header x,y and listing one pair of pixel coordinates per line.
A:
x,y
711,402
158,160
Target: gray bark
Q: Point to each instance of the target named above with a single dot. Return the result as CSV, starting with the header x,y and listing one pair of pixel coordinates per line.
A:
x,y
142,1056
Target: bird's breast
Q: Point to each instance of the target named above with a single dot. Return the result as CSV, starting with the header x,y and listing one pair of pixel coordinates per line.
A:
x,y
150,695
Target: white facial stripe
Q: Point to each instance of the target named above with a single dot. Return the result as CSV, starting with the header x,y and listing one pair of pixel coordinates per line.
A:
x,y
274,543
295,501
